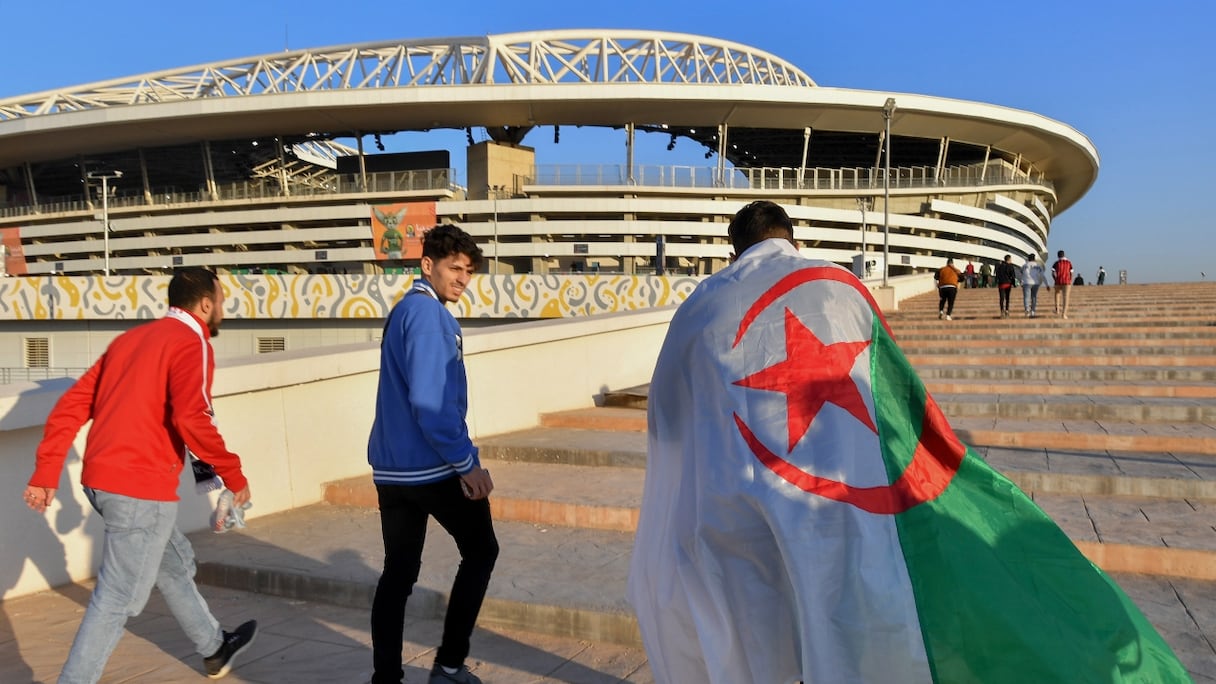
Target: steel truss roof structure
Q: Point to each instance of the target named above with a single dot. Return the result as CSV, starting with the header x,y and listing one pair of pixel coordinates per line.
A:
x,y
519,58
234,164
687,85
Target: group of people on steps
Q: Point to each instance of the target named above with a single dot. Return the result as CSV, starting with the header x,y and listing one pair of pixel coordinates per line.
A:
x,y
1031,276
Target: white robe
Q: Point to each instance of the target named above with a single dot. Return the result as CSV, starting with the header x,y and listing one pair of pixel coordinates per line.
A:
x,y
738,576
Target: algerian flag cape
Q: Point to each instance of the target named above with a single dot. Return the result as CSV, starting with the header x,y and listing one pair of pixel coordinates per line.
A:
x,y
809,515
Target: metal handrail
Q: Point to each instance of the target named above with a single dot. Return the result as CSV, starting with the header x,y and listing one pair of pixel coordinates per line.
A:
x,y
781,178
258,189
11,375
687,177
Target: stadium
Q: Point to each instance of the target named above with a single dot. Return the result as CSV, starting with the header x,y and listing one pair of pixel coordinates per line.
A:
x,y
262,164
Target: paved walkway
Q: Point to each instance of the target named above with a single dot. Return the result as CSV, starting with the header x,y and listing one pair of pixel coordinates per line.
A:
x,y
307,642
298,642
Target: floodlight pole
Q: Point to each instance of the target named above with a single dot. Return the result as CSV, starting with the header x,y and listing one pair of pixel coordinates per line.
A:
x,y
888,109
105,177
864,204
495,189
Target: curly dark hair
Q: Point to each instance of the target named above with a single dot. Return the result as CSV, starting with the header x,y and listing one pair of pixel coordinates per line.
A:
x,y
190,285
447,239
759,221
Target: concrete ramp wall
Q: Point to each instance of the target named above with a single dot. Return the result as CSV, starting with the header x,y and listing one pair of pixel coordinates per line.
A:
x,y
300,419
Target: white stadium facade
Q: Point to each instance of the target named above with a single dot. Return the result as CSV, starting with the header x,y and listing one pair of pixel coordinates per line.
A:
x,y
262,165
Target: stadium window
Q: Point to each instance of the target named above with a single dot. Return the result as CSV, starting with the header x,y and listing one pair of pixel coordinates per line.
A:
x,y
37,352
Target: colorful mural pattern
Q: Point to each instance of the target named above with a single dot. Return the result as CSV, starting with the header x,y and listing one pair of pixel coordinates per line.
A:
x,y
312,296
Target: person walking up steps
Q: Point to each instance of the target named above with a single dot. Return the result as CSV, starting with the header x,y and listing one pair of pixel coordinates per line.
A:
x,y
1061,272
833,528
1006,276
947,287
1032,277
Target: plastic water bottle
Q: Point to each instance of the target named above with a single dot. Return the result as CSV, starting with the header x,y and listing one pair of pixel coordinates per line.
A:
x,y
228,516
222,508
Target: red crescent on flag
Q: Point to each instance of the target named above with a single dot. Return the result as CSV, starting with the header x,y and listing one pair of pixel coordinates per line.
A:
x,y
802,277
936,459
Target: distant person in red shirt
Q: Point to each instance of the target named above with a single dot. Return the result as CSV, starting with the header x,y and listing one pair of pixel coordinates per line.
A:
x,y
1061,272
149,397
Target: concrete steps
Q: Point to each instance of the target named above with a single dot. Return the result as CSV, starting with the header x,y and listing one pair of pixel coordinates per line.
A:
x,y
1108,420
1075,407
556,580
980,386
566,547
1081,377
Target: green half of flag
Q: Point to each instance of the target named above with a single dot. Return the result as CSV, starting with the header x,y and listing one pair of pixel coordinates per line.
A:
x,y
1002,594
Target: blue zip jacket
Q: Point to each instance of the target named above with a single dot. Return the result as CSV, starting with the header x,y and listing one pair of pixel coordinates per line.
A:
x,y
419,433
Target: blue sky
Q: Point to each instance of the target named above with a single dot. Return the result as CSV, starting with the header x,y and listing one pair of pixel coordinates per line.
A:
x,y
1136,78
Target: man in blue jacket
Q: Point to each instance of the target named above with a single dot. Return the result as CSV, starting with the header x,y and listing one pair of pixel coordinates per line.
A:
x,y
424,463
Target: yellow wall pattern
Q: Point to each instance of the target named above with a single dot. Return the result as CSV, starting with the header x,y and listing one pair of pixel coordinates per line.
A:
x,y
311,296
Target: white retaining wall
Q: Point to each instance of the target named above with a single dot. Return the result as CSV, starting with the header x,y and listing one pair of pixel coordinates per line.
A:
x,y
301,419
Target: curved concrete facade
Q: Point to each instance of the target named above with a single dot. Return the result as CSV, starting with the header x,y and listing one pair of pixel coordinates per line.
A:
x,y
258,164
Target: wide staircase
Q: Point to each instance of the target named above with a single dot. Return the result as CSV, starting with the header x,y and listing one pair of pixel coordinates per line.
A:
x,y
1107,419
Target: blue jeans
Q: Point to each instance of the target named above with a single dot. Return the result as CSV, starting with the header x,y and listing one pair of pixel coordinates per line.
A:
x,y
1030,297
142,547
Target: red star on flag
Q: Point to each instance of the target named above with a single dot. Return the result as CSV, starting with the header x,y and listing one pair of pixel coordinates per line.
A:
x,y
812,374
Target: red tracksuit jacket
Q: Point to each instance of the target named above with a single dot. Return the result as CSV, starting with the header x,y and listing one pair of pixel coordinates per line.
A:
x,y
149,397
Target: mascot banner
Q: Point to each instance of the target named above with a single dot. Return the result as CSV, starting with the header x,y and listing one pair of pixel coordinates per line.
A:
x,y
397,229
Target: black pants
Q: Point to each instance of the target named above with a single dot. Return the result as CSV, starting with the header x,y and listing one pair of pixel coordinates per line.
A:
x,y
403,520
1004,297
945,298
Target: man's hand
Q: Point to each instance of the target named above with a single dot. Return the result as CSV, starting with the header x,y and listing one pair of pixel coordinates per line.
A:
x,y
478,484
240,498
38,498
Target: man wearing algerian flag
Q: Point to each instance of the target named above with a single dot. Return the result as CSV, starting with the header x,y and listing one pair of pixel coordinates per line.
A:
x,y
809,515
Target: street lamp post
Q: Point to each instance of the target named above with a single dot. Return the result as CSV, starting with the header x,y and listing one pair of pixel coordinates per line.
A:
x,y
105,177
864,204
495,189
888,109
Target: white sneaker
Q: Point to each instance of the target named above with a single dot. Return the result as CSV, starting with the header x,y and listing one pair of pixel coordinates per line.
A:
x,y
948,317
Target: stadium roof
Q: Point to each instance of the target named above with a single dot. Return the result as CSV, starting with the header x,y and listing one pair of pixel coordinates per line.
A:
x,y
570,77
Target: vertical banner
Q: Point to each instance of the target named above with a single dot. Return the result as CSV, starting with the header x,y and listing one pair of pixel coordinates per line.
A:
x,y
397,229
14,255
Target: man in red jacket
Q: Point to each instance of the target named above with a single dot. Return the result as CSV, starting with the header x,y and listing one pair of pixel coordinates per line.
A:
x,y
149,397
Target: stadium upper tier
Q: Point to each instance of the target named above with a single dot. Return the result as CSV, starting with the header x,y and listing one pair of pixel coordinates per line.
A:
x,y
260,163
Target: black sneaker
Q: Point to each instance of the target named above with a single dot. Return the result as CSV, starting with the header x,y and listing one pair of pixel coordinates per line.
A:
x,y
461,676
220,663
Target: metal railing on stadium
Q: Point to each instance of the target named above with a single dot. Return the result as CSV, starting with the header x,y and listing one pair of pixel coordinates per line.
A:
x,y
780,178
251,190
11,375
765,178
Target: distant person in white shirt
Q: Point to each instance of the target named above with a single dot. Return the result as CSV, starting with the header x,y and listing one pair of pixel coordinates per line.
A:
x,y
1032,277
